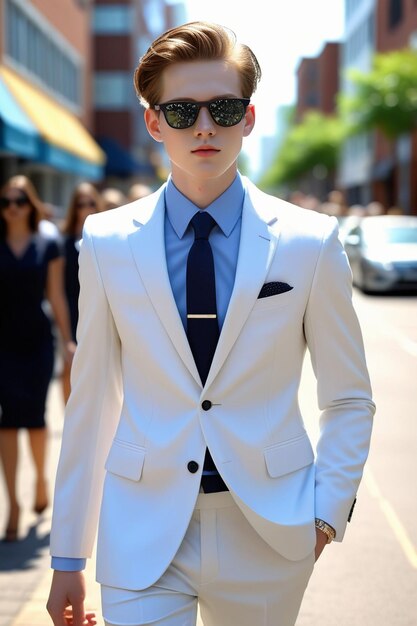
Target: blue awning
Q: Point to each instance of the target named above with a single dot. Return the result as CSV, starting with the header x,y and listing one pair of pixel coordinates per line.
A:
x,y
120,162
17,133
67,162
62,141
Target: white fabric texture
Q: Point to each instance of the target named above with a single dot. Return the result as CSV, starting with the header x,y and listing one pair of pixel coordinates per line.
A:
x,y
238,579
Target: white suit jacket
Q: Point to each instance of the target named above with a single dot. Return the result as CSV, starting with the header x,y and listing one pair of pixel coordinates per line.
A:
x,y
134,419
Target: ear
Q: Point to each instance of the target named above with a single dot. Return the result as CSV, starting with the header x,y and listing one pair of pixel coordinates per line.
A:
x,y
152,124
249,120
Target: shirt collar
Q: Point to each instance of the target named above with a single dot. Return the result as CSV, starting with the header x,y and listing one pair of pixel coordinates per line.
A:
x,y
226,209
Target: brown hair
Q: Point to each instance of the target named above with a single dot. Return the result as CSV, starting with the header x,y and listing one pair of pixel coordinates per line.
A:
x,y
82,189
195,41
23,184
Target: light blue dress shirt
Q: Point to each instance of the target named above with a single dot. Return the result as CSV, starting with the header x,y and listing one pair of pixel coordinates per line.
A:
x,y
179,236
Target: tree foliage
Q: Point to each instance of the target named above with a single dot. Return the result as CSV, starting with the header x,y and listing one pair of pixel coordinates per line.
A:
x,y
386,97
314,142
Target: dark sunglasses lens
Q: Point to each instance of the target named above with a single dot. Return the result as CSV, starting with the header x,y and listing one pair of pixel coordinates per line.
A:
x,y
181,114
227,112
6,202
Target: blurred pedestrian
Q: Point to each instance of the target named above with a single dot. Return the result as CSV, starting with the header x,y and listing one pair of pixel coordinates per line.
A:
x,y
112,198
85,200
183,433
336,197
31,269
374,208
395,210
138,191
358,210
335,204
47,225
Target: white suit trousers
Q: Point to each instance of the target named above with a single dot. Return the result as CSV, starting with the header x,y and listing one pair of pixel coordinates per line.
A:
x,y
224,566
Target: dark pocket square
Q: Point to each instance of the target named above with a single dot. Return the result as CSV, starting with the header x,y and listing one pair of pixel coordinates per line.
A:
x,y
273,289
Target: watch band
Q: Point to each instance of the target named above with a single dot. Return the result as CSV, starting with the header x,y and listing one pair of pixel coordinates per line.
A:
x,y
326,528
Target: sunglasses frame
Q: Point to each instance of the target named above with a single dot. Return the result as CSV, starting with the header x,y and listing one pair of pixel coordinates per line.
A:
x,y
163,107
20,202
91,204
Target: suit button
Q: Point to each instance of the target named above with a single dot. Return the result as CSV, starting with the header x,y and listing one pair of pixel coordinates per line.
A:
x,y
192,467
206,405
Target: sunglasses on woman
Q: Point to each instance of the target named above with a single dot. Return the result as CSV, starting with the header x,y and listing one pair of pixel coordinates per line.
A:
x,y
87,204
5,202
224,111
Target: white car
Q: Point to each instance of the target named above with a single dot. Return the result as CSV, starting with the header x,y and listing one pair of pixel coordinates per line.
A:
x,y
382,252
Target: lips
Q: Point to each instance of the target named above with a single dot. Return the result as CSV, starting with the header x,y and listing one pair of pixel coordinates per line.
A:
x,y
205,150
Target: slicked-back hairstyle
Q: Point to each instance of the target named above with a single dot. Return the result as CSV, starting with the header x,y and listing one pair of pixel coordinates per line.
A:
x,y
195,41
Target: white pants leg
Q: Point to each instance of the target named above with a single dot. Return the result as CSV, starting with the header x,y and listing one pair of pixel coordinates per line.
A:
x,y
237,578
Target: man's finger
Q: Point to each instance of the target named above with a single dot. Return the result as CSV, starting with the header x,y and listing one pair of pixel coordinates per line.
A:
x,y
78,615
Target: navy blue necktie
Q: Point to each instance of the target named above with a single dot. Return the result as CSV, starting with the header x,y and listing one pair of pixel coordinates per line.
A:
x,y
202,323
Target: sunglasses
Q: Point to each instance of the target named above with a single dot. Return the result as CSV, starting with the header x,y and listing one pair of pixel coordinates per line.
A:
x,y
21,201
86,205
224,111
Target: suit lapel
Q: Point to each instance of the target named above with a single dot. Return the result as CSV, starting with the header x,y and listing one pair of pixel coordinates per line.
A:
x,y
256,251
147,243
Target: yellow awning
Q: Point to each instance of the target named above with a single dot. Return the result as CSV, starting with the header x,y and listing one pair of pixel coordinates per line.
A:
x,y
55,124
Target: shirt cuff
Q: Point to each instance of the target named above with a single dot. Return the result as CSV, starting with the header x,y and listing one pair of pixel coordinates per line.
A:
x,y
67,564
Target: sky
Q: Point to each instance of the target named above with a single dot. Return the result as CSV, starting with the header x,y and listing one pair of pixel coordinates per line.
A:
x,y
280,32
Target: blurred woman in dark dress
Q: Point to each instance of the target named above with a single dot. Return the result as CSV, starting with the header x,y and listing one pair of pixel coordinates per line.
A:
x,y
31,270
85,200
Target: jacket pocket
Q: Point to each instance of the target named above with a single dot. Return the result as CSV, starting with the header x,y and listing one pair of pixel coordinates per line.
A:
x,y
274,302
288,456
125,459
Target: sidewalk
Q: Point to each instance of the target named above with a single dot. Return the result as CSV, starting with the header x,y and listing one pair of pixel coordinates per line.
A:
x,y
33,612
25,573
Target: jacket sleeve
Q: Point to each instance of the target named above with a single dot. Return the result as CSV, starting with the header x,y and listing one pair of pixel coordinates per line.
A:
x,y
91,414
343,387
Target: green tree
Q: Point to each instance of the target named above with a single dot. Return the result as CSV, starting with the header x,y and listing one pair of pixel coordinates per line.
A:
x,y
384,98
313,143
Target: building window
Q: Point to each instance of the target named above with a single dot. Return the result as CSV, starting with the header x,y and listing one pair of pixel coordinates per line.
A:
x,y
32,48
312,100
113,90
112,20
395,13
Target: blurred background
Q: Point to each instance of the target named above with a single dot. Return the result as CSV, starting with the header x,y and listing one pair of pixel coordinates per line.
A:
x,y
336,108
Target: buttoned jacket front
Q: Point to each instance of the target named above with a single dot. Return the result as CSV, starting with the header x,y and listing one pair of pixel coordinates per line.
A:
x,y
135,419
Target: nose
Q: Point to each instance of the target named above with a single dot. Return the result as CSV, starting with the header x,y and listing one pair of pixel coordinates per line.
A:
x,y
204,124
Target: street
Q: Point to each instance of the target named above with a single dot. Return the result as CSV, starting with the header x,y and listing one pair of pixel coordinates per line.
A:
x,y
368,580
371,578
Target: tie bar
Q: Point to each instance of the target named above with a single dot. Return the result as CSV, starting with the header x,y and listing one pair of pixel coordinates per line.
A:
x,y
201,316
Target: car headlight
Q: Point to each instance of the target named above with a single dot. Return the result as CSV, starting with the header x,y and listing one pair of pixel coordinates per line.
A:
x,y
380,264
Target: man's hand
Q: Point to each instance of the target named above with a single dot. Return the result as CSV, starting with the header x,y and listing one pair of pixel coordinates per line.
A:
x,y
321,542
66,600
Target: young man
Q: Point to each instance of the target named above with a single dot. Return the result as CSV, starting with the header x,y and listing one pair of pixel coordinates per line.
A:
x,y
197,304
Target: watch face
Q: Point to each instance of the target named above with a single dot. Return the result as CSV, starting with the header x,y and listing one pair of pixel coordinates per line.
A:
x,y
326,528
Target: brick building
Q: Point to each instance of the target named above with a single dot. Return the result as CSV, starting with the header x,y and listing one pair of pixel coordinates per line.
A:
x,y
317,89
122,32
45,95
318,81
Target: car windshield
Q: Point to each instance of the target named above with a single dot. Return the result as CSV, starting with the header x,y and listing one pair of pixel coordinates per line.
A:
x,y
393,234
